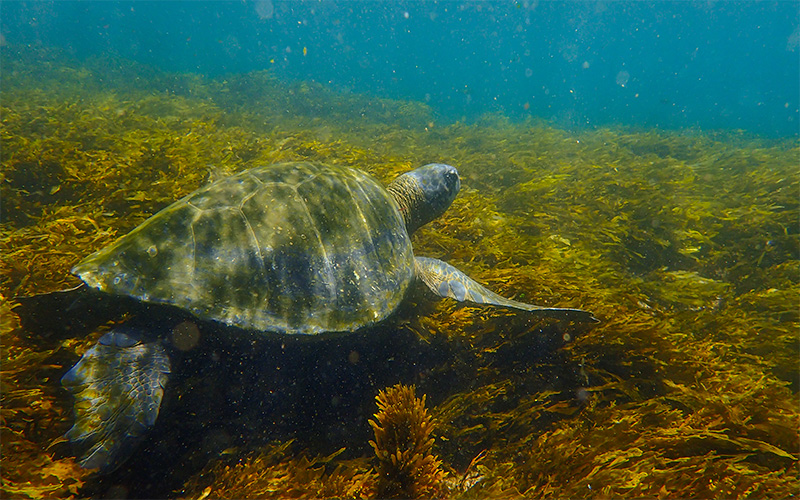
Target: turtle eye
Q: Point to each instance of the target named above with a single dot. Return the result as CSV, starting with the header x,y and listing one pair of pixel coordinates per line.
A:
x,y
452,179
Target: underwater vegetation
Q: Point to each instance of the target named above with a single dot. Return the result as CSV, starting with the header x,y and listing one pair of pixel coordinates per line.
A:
x,y
406,467
685,244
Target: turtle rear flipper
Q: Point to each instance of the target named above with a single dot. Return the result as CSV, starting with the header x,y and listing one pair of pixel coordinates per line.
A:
x,y
118,385
446,281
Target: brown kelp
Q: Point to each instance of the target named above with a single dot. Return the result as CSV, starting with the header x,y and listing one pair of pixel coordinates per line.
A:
x,y
406,467
277,471
685,244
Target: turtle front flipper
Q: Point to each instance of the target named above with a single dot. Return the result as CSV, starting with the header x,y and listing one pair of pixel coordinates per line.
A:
x,y
117,385
447,281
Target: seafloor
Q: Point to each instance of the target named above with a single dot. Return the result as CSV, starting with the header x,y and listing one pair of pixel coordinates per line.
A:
x,y
685,244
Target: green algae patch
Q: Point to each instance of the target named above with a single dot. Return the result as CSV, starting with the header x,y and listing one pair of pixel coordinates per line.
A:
x,y
684,244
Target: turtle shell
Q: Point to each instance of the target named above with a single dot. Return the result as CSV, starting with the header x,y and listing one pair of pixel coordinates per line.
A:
x,y
297,248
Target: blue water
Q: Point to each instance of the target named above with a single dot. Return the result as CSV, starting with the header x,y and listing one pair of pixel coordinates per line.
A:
x,y
675,65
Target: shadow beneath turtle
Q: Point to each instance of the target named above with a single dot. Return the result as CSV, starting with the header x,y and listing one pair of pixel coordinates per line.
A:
x,y
231,398
235,393
48,318
232,391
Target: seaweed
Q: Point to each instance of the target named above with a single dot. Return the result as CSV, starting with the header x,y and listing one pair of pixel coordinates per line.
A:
x,y
270,474
406,467
684,243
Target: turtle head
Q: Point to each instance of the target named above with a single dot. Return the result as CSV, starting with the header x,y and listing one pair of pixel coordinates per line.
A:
x,y
425,193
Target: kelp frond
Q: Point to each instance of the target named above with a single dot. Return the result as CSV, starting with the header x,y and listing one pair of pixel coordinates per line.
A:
x,y
406,467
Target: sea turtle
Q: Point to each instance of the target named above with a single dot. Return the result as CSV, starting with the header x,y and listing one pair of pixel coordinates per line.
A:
x,y
292,248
